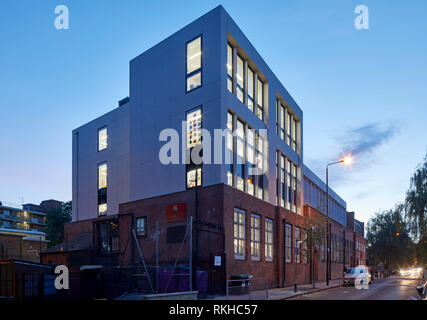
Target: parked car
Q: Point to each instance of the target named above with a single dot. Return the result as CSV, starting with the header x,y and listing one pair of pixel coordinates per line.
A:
x,y
422,291
360,274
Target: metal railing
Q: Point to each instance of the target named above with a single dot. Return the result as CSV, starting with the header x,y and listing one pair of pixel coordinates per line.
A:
x,y
248,287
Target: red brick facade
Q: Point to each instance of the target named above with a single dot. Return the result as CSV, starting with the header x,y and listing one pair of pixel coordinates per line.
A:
x,y
213,217
16,247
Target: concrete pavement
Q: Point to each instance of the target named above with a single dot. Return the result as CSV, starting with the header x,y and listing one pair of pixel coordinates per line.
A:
x,y
282,293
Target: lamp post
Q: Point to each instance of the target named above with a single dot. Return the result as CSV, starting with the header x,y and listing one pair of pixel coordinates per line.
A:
x,y
346,160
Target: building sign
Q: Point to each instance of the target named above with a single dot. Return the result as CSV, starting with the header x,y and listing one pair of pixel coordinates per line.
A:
x,y
176,212
217,261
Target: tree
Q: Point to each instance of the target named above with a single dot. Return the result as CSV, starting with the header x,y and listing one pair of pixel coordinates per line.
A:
x,y
314,238
416,202
55,220
388,239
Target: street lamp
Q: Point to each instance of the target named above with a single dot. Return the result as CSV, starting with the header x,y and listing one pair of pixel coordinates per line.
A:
x,y
346,161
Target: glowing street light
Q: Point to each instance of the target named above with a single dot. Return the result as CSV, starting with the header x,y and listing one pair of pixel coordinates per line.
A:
x,y
346,160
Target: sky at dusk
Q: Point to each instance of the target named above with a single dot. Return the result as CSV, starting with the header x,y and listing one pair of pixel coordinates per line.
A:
x,y
361,91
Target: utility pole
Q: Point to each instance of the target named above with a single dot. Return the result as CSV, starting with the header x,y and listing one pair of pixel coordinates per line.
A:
x,y
157,256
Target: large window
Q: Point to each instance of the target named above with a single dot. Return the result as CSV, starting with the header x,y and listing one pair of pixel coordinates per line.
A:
x,y
268,239
102,188
251,160
248,82
288,243
288,183
294,135
240,78
194,64
229,68
239,234
250,89
102,139
260,164
260,99
141,226
108,237
304,246
288,128
297,244
240,161
255,236
194,139
294,186
229,148
282,180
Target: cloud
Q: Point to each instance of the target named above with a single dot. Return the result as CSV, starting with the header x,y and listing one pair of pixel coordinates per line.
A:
x,y
362,143
364,140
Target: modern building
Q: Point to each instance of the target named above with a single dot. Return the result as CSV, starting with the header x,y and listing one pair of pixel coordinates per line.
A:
x,y
250,197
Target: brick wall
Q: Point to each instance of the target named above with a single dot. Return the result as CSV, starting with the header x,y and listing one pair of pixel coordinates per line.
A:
x,y
15,247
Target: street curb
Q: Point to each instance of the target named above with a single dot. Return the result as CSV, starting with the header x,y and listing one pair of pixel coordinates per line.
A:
x,y
313,291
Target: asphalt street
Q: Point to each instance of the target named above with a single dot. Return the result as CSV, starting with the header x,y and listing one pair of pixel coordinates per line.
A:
x,y
391,288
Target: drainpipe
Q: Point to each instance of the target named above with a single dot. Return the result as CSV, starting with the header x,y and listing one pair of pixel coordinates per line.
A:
x,y
77,176
284,253
194,233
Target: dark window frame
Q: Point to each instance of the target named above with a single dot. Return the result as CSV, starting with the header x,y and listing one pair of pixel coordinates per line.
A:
x,y
191,166
194,72
144,232
101,192
99,129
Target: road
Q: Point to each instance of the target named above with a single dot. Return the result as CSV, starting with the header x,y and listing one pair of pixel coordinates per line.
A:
x,y
392,288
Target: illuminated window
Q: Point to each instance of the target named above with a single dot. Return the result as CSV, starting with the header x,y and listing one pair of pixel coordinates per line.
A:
x,y
280,125
282,180
102,138
194,64
194,138
239,234
288,183
229,68
102,188
229,149
194,128
260,99
240,78
251,160
102,209
268,239
240,161
102,175
250,89
288,128
294,135
194,177
261,162
255,236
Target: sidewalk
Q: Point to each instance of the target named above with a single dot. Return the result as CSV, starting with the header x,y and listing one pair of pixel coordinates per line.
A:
x,y
283,293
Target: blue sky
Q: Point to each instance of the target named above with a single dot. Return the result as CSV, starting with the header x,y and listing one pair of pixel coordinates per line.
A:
x,y
359,89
